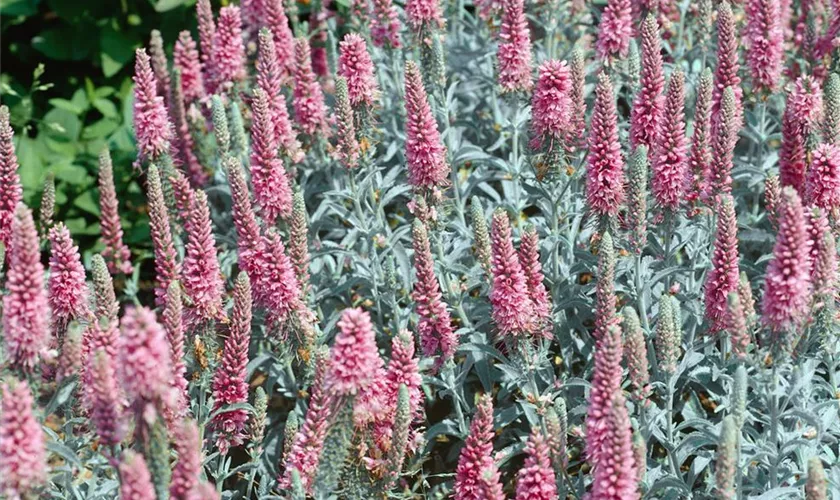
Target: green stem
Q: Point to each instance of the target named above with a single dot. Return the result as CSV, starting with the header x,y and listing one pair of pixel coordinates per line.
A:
x,y
669,428
640,294
774,426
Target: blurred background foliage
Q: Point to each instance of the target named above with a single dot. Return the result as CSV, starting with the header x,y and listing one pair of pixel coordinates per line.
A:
x,y
65,73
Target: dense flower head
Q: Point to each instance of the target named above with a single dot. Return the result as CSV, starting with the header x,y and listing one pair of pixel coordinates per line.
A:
x,y
514,53
737,326
186,60
116,253
764,37
135,479
160,66
722,278
23,455
268,174
637,193
615,476
275,284
513,310
823,256
801,116
822,184
355,64
726,72
26,312
299,241
103,404
670,163
772,194
551,104
701,152
536,480
144,365
67,296
477,471
635,352
230,385
615,29
575,136
529,258
787,284
605,167
11,192
186,473
167,267
347,146
605,298
250,242
354,358
606,382
310,110
668,334
719,180
151,120
227,54
278,23
649,103
403,370
434,326
424,13
184,142
424,152
270,79
173,324
385,24
206,31
726,460
831,109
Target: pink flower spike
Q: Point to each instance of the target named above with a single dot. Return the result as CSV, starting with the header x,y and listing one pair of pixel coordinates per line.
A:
x,y
551,105
764,39
270,79
275,284
135,479
605,168
151,120
103,398
144,359
167,268
11,192
719,180
250,242
278,24
403,370
648,105
310,110
230,385
512,309
185,58
268,175
477,474
670,161
536,480
726,73
606,383
514,52
385,25
174,326
615,476
802,115
701,153
68,295
615,30
26,313
434,326
206,32
228,51
423,13
355,64
354,358
723,277
201,274
23,454
424,152
116,253
822,186
186,474
529,257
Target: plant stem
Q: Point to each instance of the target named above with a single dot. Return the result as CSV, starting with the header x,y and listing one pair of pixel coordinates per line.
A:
x,y
774,426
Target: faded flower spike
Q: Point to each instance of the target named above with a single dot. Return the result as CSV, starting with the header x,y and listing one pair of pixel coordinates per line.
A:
x,y
637,193
726,464
116,253
668,335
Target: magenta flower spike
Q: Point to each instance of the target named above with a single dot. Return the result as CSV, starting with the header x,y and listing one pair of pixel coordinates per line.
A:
x,y
173,324
270,79
151,120
102,398
403,369
615,30
514,52
354,358
201,274
477,474
135,479
434,326
355,64
424,152
116,253
11,192
144,366
252,16
671,173
551,105
284,41
23,454
764,38
649,103
606,382
817,225
68,292
206,32
385,24
227,57
605,167
787,284
167,268
536,480
310,110
615,476
802,114
723,149
268,174
822,185
723,277
230,385
186,474
726,72
529,257
275,284
701,152
26,312
186,60
423,13
250,242
512,309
